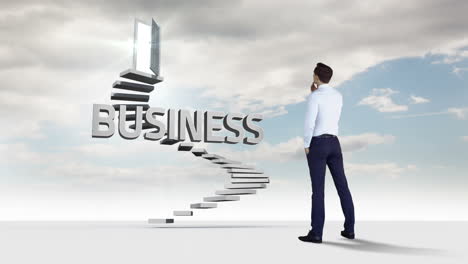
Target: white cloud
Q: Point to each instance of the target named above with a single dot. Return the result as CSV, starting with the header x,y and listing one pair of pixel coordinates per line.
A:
x,y
386,169
465,138
459,70
103,148
272,112
453,57
20,153
71,166
293,149
419,115
22,114
281,152
459,112
380,99
243,59
418,99
97,176
361,141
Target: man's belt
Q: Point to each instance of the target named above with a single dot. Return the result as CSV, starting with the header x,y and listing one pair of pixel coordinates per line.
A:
x,y
324,136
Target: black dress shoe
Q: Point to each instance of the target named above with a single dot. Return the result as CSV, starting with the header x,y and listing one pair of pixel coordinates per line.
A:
x,y
311,237
348,235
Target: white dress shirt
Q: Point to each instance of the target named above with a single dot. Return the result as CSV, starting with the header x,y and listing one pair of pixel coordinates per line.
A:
x,y
323,112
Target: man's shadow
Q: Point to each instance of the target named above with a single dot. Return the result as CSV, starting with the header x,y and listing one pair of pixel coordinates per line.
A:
x,y
379,247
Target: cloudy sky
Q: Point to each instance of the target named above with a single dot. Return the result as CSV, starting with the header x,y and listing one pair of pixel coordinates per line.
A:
x,y
402,69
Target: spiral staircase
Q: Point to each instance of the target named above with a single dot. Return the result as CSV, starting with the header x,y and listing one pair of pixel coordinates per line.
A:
x,y
243,180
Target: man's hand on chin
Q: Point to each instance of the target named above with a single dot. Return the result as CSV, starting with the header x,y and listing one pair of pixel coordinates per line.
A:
x,y
313,87
306,151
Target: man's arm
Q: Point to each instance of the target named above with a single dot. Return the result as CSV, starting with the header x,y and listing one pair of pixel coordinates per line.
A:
x,y
309,124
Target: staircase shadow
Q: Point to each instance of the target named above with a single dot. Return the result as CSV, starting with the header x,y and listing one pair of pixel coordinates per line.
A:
x,y
221,226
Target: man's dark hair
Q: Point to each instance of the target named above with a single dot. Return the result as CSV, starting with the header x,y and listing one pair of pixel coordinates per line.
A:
x,y
324,72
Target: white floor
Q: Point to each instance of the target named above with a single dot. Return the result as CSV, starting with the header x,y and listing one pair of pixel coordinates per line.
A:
x,y
229,242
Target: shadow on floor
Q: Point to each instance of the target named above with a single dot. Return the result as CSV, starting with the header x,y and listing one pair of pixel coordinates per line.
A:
x,y
220,226
380,247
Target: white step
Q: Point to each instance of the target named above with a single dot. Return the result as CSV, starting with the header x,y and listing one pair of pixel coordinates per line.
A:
x,y
211,156
139,76
185,146
250,180
245,186
167,141
137,87
130,97
247,175
183,213
237,166
225,161
160,221
244,171
221,198
199,151
203,205
236,192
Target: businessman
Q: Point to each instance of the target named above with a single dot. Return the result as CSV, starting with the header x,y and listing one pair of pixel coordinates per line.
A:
x,y
322,149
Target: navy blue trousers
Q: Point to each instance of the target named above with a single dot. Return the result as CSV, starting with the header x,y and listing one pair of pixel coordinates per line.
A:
x,y
322,152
